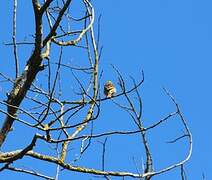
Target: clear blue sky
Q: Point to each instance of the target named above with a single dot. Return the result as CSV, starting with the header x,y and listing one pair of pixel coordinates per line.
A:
x,y
172,42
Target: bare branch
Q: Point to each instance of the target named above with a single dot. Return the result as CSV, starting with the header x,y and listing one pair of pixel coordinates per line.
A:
x,y
29,172
14,39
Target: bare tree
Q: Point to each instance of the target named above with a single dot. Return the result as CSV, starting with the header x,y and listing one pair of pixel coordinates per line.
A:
x,y
57,117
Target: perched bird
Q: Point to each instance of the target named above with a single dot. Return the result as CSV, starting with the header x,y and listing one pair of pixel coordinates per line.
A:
x,y
109,89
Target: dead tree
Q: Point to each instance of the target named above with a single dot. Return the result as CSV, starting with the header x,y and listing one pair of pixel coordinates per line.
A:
x,y
41,98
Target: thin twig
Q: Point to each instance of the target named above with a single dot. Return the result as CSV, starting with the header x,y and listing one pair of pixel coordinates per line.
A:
x,y
14,39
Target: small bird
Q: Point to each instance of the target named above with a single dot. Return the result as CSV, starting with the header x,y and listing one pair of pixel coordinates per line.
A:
x,y
109,89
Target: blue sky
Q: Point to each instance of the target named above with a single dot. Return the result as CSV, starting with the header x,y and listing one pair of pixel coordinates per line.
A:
x,y
171,41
